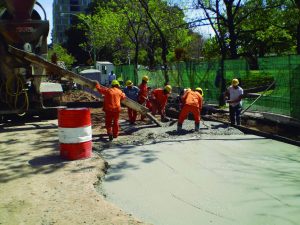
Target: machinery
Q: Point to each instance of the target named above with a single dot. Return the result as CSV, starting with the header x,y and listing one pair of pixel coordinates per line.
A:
x,y
24,71
23,85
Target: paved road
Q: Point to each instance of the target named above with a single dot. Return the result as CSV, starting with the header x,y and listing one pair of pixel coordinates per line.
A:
x,y
230,179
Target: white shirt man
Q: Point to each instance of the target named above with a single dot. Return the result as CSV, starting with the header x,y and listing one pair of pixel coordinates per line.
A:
x,y
235,94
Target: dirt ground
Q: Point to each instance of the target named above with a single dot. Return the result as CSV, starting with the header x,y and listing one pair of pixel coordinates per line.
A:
x,y
37,187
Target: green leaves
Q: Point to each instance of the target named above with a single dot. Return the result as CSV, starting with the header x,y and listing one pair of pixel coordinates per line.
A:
x,y
123,26
62,55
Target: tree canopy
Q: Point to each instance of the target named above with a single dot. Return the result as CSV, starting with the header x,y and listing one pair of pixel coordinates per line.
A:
x,y
154,32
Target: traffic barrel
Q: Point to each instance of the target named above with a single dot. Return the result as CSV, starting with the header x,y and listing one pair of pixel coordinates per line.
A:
x,y
75,133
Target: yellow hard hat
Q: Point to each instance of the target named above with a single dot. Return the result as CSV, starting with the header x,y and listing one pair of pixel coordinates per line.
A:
x,y
145,78
168,88
235,82
199,90
115,83
129,83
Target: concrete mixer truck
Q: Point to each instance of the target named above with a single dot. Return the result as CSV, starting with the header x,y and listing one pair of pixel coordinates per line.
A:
x,y
22,84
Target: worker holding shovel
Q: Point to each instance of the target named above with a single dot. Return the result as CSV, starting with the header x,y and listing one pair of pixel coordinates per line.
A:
x,y
192,102
159,98
234,95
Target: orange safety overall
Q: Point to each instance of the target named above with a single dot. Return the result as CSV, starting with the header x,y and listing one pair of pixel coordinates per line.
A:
x,y
112,108
132,114
192,104
159,101
142,96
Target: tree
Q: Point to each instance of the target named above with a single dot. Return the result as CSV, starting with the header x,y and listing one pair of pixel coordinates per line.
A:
x,y
195,48
76,37
134,30
102,29
291,18
297,13
124,27
222,15
61,54
165,19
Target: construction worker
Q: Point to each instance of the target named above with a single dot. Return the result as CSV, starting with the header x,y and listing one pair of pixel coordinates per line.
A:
x,y
132,93
159,98
179,98
111,77
192,103
143,93
148,101
112,107
234,95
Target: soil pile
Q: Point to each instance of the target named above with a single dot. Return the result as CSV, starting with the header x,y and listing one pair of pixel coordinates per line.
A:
x,y
78,96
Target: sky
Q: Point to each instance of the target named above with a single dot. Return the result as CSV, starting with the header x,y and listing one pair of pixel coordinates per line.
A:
x,y
47,4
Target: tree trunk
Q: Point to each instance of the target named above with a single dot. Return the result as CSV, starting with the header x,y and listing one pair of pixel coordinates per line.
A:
x,y
164,54
164,44
231,30
136,58
298,38
297,2
151,54
223,80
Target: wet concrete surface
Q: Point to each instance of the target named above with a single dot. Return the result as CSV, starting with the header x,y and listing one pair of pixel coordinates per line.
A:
x,y
215,176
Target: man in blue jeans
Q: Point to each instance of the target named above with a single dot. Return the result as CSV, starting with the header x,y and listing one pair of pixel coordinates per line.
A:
x,y
234,94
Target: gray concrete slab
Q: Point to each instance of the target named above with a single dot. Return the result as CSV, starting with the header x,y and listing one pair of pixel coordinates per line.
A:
x,y
206,179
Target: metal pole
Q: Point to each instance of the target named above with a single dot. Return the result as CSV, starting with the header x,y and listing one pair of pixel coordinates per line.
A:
x,y
92,44
258,97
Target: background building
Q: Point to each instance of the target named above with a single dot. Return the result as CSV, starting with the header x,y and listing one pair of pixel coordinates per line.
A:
x,y
62,16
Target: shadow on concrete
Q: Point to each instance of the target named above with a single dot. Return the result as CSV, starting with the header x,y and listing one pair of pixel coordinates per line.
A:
x,y
9,129
19,160
179,133
219,126
16,165
46,160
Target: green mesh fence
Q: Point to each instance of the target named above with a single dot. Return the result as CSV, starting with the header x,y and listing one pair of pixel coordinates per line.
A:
x,y
124,73
282,98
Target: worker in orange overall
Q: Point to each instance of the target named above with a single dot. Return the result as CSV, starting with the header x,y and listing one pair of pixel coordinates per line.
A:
x,y
148,101
192,102
112,107
159,100
143,93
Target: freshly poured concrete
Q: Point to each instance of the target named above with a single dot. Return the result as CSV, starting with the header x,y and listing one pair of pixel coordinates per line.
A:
x,y
206,179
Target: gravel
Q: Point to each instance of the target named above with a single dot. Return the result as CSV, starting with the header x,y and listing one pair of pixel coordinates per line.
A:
x,y
145,134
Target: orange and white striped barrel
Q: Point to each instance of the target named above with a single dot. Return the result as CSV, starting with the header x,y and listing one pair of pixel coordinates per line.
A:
x,y
75,133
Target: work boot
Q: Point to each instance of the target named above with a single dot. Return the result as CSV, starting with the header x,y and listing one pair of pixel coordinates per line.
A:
x,y
238,121
110,137
179,127
197,126
164,119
